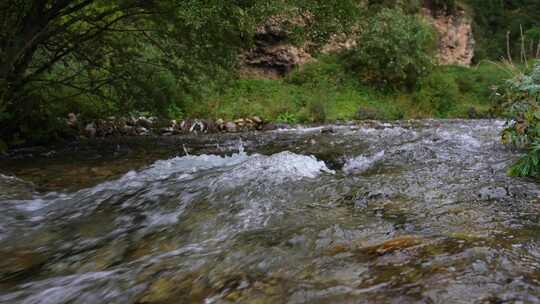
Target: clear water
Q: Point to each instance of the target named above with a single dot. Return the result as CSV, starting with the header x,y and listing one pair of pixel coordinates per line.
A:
x,y
410,212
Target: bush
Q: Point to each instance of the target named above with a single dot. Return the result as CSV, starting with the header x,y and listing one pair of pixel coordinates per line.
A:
x,y
438,93
394,49
326,71
521,97
288,118
317,111
476,83
174,112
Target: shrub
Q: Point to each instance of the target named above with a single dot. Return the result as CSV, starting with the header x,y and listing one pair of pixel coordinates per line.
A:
x,y
394,49
521,97
437,92
325,71
175,112
476,83
288,118
317,111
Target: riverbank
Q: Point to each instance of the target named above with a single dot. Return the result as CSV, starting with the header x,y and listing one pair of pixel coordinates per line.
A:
x,y
320,92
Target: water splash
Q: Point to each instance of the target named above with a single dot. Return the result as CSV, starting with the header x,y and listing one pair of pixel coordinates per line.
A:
x,y
362,163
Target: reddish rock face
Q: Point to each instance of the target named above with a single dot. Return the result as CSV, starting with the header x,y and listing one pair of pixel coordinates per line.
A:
x,y
281,58
274,54
456,40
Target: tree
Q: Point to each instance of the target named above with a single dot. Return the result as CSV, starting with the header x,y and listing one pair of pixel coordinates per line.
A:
x,y
494,19
393,50
128,54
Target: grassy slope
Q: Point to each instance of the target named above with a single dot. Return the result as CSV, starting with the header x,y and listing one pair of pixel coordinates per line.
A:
x,y
324,91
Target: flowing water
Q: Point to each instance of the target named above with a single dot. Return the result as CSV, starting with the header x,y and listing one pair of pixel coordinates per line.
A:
x,y
409,212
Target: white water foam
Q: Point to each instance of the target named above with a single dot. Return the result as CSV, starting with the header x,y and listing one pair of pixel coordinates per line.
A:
x,y
302,129
184,166
229,172
362,163
277,166
283,164
464,139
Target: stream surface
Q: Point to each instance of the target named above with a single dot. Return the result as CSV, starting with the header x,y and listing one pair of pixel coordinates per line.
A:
x,y
405,212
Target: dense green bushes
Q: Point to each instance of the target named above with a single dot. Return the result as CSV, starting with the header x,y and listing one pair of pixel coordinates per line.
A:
x,y
394,50
521,99
438,93
327,91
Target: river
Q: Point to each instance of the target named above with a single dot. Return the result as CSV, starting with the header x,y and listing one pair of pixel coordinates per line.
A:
x,y
405,212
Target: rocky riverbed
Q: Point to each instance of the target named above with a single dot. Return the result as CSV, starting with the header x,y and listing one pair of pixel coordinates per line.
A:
x,y
405,212
143,126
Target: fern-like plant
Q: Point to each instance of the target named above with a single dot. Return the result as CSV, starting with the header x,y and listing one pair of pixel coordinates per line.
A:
x,y
521,99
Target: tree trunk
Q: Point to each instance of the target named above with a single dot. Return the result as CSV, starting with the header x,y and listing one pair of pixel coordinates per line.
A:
x,y
12,73
18,55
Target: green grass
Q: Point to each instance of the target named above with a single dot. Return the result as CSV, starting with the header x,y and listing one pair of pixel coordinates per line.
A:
x,y
324,92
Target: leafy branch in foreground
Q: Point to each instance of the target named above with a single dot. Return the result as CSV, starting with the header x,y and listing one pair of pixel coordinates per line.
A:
x,y
521,99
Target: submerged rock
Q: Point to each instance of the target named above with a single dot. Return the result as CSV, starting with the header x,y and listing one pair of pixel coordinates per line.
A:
x,y
396,244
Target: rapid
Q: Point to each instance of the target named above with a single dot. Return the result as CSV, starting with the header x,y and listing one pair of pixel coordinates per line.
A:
x,y
405,212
